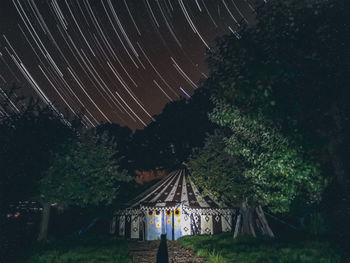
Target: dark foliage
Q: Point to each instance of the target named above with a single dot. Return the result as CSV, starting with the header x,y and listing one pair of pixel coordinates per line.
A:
x,y
28,138
122,137
169,140
293,67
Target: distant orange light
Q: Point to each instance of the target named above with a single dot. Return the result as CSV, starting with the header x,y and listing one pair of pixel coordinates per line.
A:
x,y
147,176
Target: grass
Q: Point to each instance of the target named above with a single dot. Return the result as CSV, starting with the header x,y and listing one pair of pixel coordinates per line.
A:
x,y
220,248
87,249
223,248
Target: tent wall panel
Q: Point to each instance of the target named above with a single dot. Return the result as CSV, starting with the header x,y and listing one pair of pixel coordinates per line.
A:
x,y
226,223
135,227
121,225
217,226
206,225
142,227
186,225
128,226
195,224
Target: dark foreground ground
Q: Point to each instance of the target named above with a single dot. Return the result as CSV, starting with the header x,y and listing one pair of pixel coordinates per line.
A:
x,y
148,252
94,249
212,249
223,248
87,249
291,247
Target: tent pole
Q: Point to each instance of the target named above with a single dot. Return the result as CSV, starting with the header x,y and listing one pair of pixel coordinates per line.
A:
x,y
172,228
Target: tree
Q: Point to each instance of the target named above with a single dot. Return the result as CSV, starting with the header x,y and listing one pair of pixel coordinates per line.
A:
x,y
256,166
292,67
168,141
216,171
27,141
29,133
122,137
82,173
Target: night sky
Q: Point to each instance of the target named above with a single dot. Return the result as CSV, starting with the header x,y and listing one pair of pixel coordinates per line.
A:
x,y
121,60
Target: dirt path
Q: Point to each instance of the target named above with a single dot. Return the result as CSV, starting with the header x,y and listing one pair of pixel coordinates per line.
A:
x,y
146,252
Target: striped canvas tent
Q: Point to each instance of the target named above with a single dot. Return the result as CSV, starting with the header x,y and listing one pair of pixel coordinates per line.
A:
x,y
174,207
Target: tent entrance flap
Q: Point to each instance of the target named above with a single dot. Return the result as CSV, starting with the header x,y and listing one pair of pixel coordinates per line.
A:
x,y
169,224
166,222
154,222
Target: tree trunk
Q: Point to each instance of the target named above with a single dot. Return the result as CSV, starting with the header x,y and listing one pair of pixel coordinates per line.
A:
x,y
336,149
246,225
337,162
265,228
238,223
44,225
339,155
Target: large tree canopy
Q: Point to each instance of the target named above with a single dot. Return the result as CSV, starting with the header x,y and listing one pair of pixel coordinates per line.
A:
x,y
27,138
293,66
217,172
29,134
169,140
255,162
281,88
83,172
122,137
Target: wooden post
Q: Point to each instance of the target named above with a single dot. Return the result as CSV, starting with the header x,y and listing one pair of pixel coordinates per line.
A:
x,y
237,226
113,225
44,225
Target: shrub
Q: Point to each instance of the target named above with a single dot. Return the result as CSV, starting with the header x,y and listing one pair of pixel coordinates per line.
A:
x,y
89,249
224,249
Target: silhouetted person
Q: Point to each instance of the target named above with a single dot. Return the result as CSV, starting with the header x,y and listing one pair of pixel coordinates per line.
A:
x,y
162,254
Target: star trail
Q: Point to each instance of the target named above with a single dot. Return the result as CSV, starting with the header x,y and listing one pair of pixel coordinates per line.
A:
x,y
119,60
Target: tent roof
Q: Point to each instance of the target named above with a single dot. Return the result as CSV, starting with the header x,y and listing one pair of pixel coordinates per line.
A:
x,y
174,189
